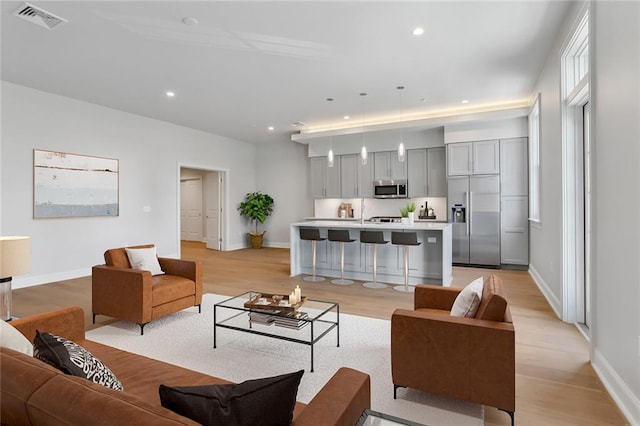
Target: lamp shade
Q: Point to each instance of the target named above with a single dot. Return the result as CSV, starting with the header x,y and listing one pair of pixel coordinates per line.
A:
x,y
15,256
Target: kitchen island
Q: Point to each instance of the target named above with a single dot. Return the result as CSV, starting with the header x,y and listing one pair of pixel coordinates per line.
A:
x,y
429,263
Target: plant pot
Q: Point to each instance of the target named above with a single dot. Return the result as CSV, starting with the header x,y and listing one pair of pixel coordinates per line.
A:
x,y
256,239
404,220
411,217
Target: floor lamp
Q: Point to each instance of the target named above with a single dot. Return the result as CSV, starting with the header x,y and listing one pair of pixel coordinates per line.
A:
x,y
15,259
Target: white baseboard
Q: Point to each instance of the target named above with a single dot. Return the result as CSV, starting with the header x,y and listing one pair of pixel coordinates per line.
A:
x,y
277,245
265,244
546,291
30,281
236,247
624,397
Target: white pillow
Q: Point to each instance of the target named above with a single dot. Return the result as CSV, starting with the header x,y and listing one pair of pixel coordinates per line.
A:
x,y
468,300
145,259
11,338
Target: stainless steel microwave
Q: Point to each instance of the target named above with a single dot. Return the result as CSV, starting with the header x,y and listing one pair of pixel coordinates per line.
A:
x,y
390,188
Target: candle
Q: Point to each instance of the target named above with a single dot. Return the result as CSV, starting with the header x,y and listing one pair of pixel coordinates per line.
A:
x,y
298,293
292,298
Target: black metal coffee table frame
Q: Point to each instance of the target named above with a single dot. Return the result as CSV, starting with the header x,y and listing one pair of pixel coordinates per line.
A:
x,y
320,310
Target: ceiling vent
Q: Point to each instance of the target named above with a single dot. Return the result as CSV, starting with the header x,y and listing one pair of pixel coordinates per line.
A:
x,y
35,15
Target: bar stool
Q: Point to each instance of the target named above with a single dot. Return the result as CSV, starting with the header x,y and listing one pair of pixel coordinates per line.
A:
x,y
405,239
341,236
313,235
375,238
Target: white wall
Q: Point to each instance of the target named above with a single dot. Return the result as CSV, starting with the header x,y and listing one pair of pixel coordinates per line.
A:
x,y
149,152
282,171
545,238
486,130
616,112
615,98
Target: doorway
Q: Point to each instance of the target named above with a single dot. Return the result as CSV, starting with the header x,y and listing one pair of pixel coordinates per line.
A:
x,y
201,206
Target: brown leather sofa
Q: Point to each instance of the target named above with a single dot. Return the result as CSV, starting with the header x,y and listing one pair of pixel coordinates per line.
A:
x,y
471,359
122,292
32,392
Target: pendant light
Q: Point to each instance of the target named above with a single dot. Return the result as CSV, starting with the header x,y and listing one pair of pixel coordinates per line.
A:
x,y
330,154
363,151
401,150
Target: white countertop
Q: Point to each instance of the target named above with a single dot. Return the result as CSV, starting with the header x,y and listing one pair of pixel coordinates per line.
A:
x,y
417,226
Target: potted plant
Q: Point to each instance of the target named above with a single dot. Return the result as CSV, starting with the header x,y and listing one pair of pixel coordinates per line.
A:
x,y
257,206
411,211
405,215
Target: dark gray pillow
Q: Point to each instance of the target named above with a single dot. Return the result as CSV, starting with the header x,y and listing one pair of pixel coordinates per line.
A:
x,y
73,359
265,402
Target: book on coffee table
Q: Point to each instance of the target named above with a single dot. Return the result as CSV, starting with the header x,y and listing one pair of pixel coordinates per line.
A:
x,y
258,318
292,320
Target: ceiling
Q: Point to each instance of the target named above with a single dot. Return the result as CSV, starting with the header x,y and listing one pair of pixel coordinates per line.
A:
x,y
246,66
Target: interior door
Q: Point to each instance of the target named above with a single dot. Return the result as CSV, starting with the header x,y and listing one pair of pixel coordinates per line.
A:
x,y
213,210
193,197
183,210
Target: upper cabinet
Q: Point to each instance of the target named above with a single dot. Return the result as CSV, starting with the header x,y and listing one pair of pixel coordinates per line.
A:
x,y
426,172
356,179
387,166
325,181
417,172
459,159
436,172
486,157
473,158
514,167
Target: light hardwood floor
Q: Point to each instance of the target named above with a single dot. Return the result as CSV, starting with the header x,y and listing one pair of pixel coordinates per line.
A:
x,y
555,383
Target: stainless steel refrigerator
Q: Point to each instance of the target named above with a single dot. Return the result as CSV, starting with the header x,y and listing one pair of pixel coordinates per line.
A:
x,y
474,212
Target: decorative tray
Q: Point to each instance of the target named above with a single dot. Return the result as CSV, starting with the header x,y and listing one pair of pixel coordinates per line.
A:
x,y
265,302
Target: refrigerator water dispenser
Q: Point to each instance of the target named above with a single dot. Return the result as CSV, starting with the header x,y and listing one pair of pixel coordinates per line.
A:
x,y
459,213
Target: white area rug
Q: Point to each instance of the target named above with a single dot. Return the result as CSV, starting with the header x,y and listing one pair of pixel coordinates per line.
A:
x,y
186,339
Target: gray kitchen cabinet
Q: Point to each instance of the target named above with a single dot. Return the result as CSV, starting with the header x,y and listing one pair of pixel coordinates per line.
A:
x,y
387,166
436,172
514,167
354,260
459,159
323,253
325,181
356,179
473,158
417,172
486,157
514,232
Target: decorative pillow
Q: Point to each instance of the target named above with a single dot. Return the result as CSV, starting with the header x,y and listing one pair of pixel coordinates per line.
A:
x,y
73,359
265,402
468,300
144,259
13,339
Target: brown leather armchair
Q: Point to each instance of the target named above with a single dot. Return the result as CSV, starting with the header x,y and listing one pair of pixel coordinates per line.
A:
x,y
471,359
135,295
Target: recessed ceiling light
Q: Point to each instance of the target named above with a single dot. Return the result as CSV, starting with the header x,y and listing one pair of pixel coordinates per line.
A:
x,y
418,31
189,20
270,128
346,117
170,93
466,101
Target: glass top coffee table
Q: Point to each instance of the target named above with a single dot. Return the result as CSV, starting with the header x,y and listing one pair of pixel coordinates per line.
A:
x,y
306,324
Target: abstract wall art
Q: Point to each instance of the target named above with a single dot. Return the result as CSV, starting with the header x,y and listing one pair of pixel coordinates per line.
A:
x,y
72,185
